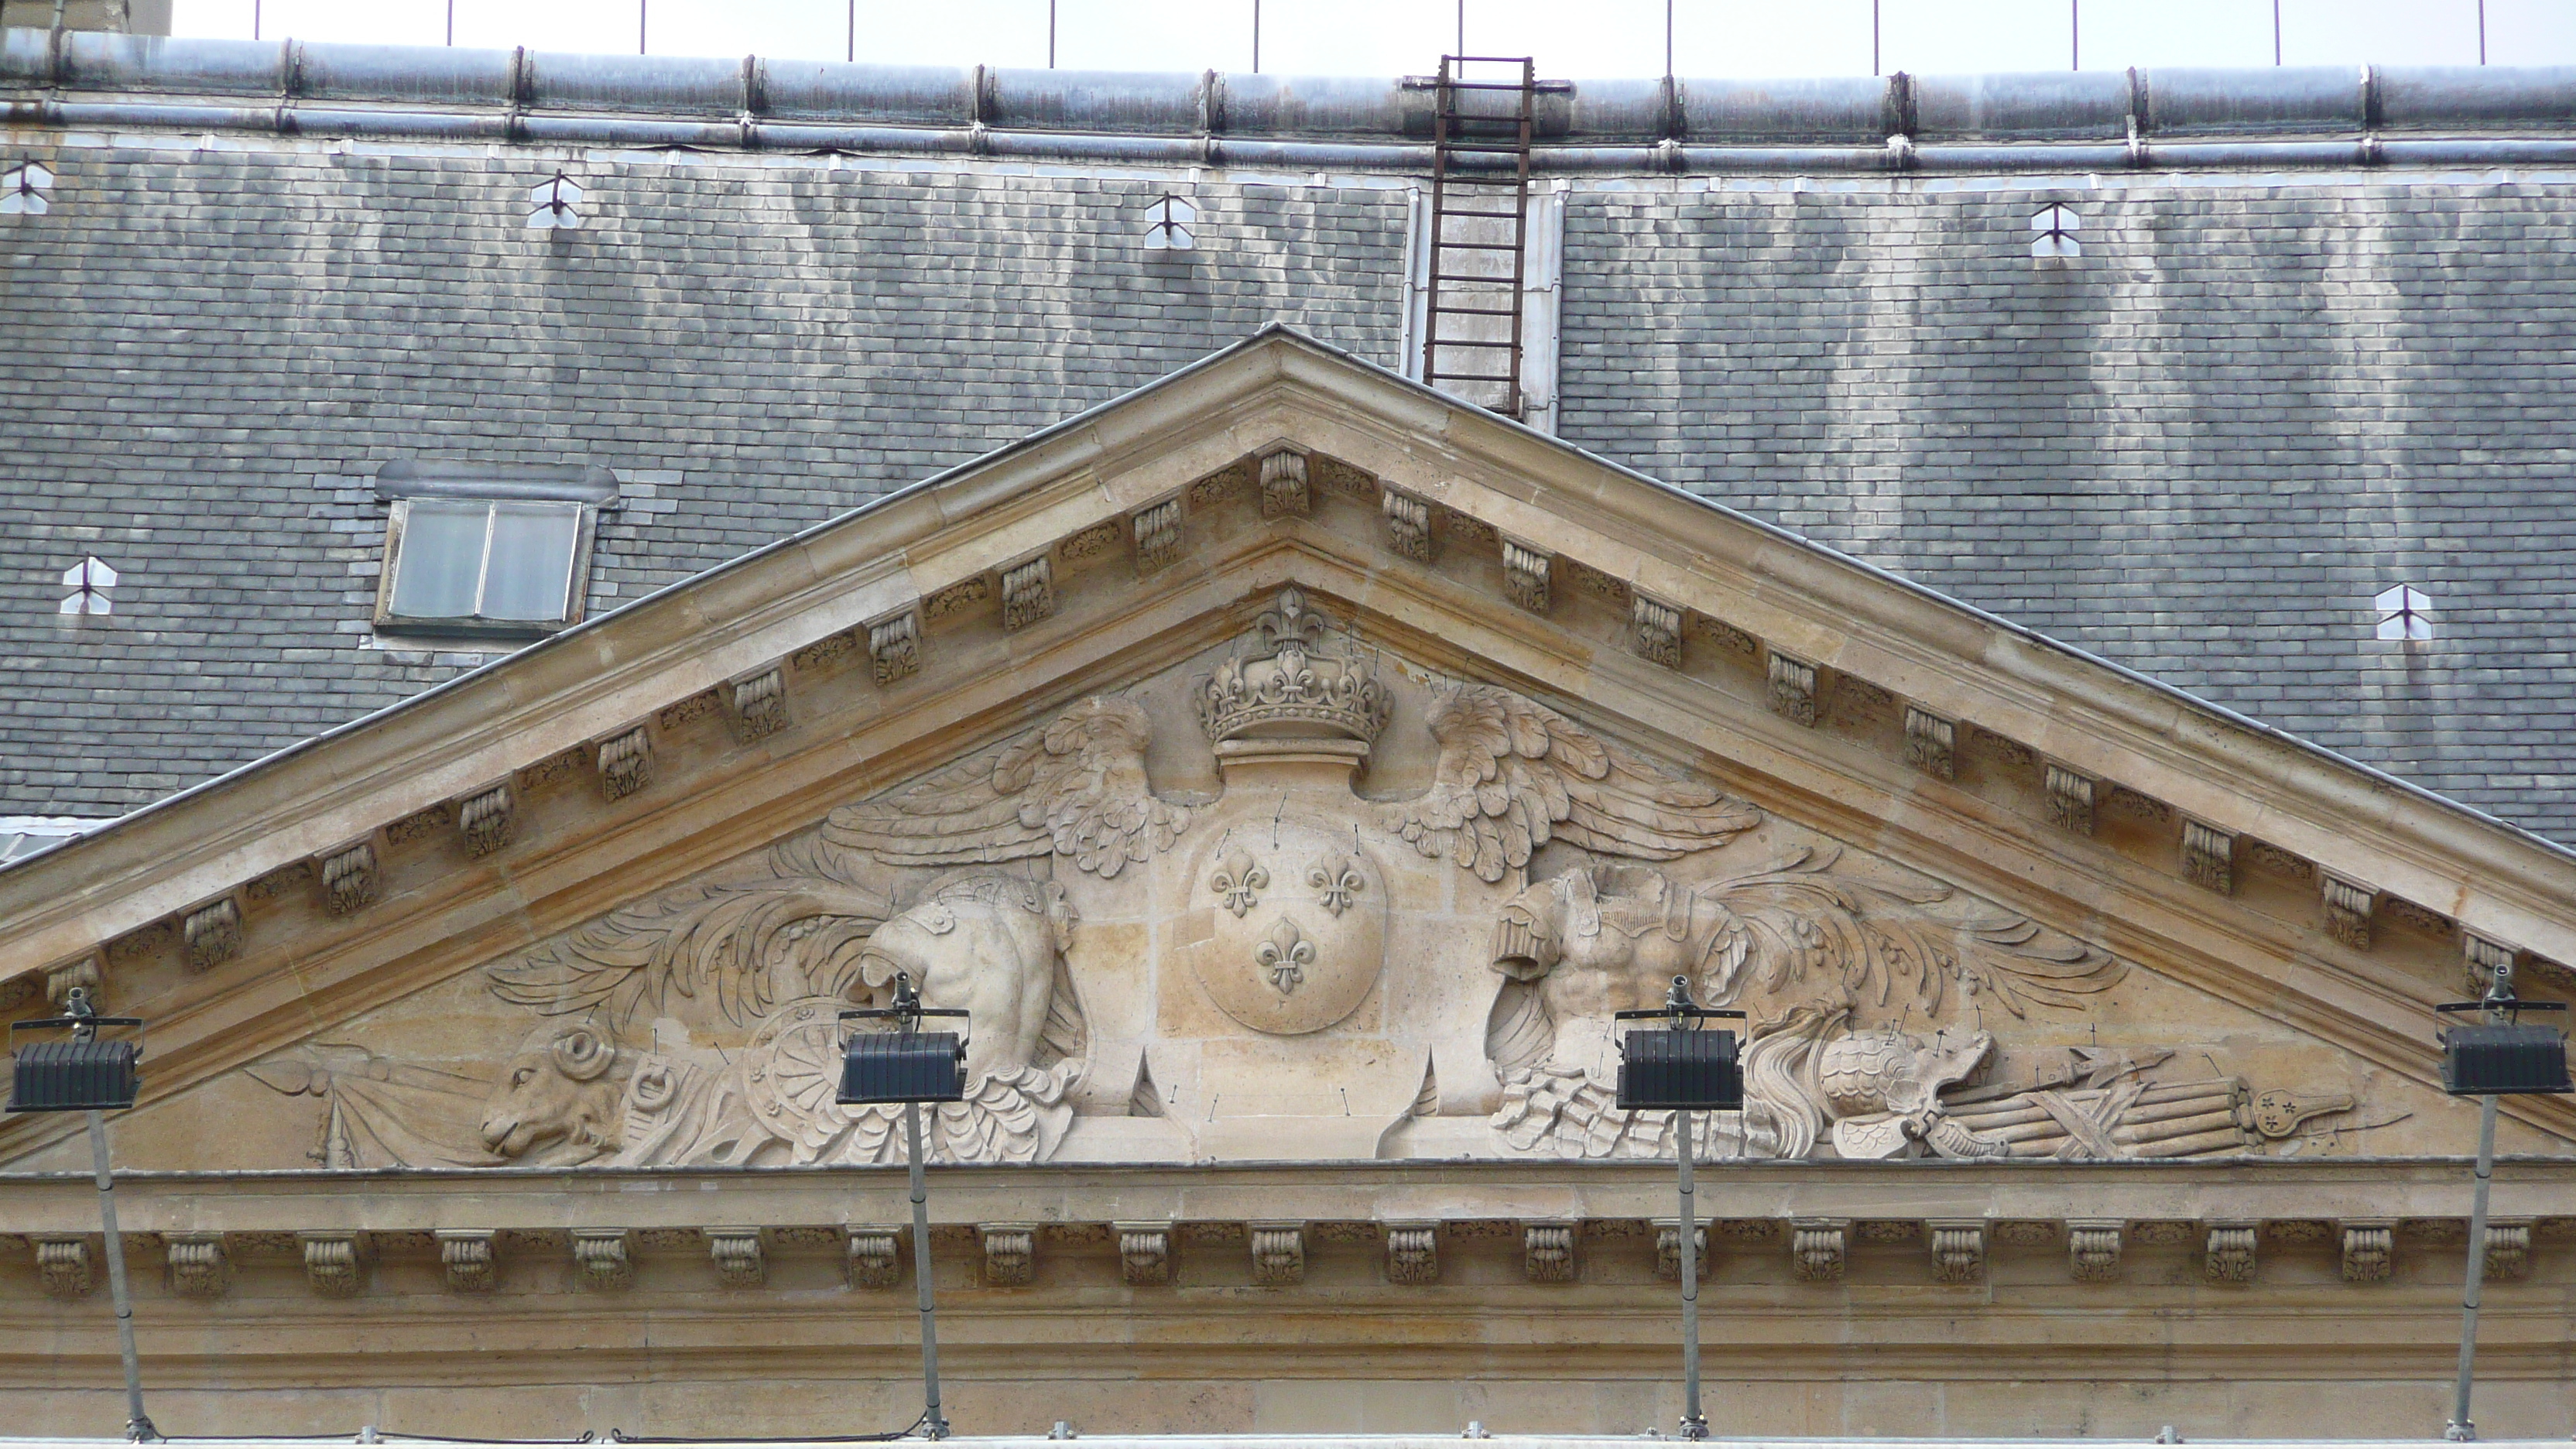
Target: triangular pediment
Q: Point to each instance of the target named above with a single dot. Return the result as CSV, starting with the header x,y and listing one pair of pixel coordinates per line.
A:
x,y
1562,733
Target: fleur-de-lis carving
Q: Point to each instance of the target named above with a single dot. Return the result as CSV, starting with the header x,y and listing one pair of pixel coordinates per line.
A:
x,y
1239,881
1285,956
1338,877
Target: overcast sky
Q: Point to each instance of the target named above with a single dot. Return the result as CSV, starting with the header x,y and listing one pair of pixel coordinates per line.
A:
x,y
1570,38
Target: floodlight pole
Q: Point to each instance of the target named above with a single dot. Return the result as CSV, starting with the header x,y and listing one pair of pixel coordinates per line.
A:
x,y
138,1427
934,1425
1694,1423
2462,1429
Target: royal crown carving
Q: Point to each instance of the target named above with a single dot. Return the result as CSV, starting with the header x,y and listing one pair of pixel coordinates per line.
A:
x,y
1304,687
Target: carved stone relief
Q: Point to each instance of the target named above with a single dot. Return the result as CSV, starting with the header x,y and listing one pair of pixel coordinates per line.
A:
x,y
1312,960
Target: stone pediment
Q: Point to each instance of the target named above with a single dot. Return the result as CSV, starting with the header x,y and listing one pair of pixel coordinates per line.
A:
x,y
1285,762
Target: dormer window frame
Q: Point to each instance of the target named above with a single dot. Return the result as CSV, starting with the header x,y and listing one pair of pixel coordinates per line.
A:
x,y
413,488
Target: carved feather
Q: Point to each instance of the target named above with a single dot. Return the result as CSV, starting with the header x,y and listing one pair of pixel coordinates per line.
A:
x,y
1801,922
732,949
1075,788
1513,775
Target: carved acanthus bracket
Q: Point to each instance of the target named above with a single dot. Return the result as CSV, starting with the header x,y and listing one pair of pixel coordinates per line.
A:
x,y
1028,593
1958,1251
1668,1249
1547,1252
2229,1257
1658,630
64,1266
1931,743
1278,1253
335,1263
1408,524
2486,959
626,763
86,974
2368,1250
602,1257
1010,1254
349,878
2349,906
1819,1249
212,933
1157,527
1283,485
876,1257
2209,857
759,704
2508,1249
1413,1253
1793,689
894,647
199,1266
1144,1253
488,820
1525,575
737,1256
466,1254
2093,1250
2070,799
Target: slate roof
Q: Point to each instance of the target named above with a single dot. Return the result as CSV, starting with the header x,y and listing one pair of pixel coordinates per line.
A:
x,y
2256,401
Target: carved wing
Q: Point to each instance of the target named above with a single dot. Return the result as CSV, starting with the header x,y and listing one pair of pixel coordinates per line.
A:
x,y
733,948
1513,775
1075,788
1817,939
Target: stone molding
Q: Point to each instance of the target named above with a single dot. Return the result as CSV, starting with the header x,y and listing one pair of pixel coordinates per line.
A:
x,y
64,1266
757,704
488,819
1144,1253
1668,1249
1526,575
625,762
335,1263
1931,743
603,1257
1408,524
2209,856
1157,530
1278,1253
738,1256
1547,1252
200,1264
2369,1249
2070,799
468,1258
212,933
1413,1253
1958,1250
1819,1249
1284,490
1010,1254
2093,1249
1793,688
875,1256
2229,1257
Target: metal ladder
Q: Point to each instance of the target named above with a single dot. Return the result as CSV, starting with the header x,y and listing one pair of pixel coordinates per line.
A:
x,y
1479,242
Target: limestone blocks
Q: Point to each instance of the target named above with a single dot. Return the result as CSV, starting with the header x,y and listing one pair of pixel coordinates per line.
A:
x,y
1010,1254
737,1256
1793,688
2093,1250
1144,1253
1547,1252
1931,743
625,763
2368,1249
212,933
875,1256
466,1255
1958,1250
1278,1253
601,1260
1819,1248
1413,1253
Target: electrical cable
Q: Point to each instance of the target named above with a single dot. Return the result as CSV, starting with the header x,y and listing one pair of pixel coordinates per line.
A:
x,y
620,1436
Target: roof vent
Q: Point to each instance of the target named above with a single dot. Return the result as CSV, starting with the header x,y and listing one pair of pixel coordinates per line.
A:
x,y
553,205
1169,227
2405,613
2056,224
89,580
24,189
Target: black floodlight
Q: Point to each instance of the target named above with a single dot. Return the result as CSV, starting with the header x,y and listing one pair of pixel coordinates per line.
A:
x,y
2503,1059
1684,1066
906,1064
79,1073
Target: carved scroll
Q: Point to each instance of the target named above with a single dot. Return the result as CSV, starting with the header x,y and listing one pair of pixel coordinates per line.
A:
x,y
626,763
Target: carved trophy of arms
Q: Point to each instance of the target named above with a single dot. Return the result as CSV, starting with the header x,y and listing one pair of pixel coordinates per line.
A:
x,y
1513,775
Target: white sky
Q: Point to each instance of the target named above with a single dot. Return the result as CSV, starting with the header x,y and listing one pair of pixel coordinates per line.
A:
x,y
1570,38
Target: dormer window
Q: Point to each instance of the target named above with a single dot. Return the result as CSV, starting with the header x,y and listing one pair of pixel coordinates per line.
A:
x,y
502,553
